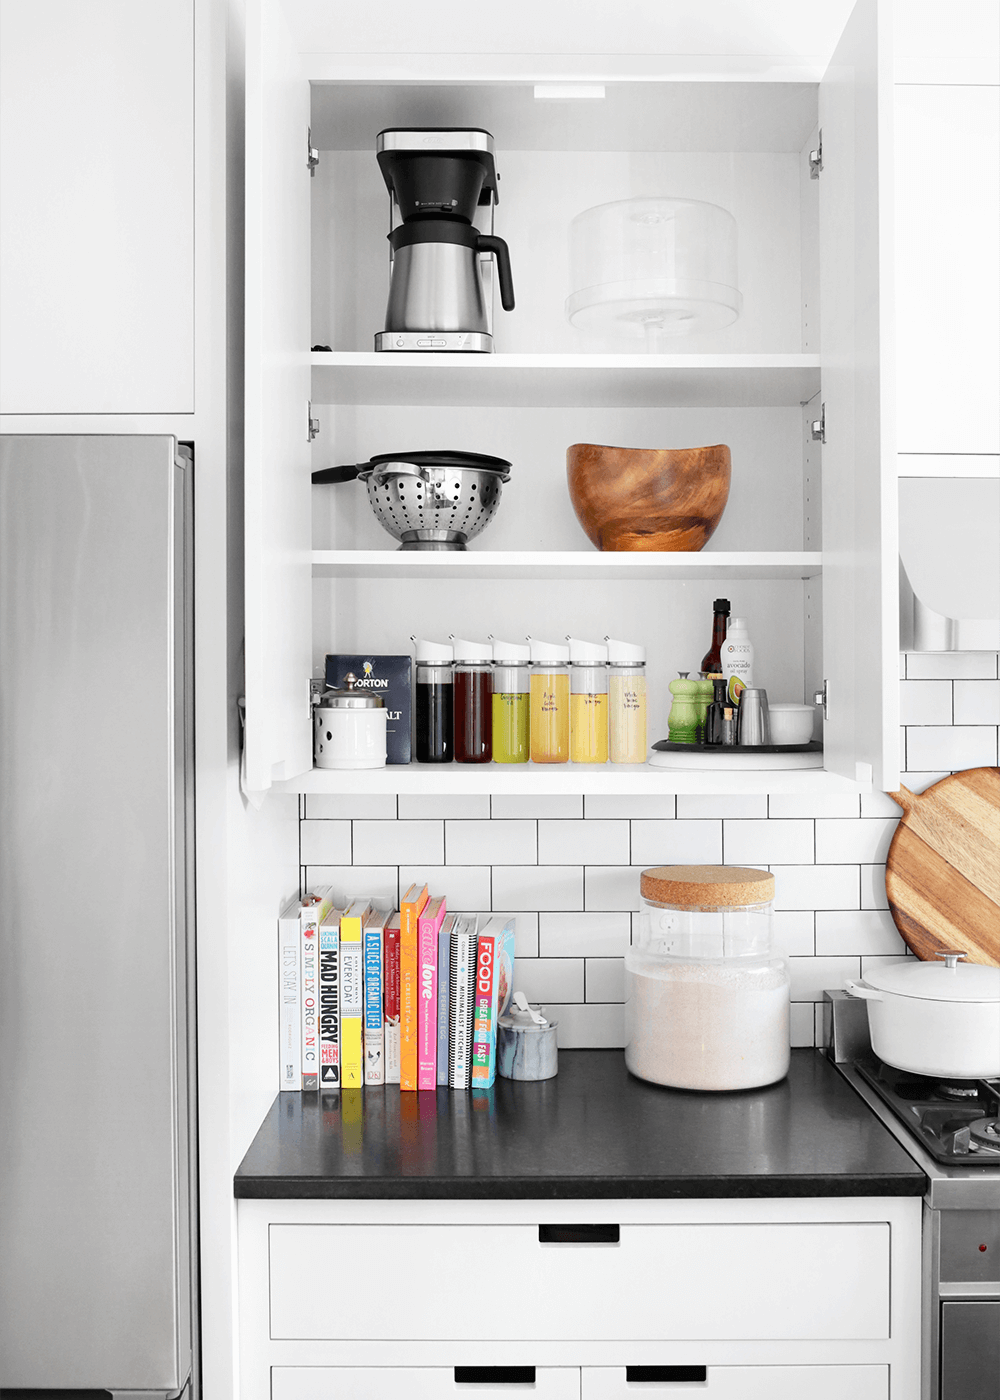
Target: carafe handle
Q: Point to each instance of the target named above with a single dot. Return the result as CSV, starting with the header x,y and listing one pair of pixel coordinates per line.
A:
x,y
490,243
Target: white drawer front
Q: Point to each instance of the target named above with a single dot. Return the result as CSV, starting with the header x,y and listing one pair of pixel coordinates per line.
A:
x,y
418,1383
745,1383
659,1282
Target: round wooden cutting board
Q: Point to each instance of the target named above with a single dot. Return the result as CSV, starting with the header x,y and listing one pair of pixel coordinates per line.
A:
x,y
942,874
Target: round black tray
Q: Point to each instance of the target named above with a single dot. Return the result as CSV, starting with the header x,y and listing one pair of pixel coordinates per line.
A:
x,y
668,746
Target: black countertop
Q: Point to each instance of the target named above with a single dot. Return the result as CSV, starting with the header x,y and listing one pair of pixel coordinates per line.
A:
x,y
593,1131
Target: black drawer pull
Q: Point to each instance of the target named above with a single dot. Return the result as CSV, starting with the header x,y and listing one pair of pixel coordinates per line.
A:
x,y
578,1234
666,1373
494,1375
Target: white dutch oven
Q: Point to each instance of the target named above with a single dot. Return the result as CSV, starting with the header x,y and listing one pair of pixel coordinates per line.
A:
x,y
941,1020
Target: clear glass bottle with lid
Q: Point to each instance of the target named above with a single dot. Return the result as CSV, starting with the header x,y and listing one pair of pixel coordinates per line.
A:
x,y
626,702
473,701
588,701
549,702
707,997
510,702
433,702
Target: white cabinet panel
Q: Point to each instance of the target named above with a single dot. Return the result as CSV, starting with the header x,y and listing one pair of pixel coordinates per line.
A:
x,y
422,1383
97,215
947,156
744,1383
658,1282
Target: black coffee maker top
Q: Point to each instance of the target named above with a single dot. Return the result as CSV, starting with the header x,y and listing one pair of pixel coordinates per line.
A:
x,y
438,173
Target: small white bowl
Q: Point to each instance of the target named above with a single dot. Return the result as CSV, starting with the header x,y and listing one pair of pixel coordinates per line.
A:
x,y
790,723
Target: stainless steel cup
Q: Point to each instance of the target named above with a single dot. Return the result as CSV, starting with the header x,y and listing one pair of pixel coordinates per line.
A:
x,y
754,725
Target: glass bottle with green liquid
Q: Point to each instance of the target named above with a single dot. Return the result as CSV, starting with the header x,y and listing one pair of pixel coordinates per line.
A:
x,y
510,702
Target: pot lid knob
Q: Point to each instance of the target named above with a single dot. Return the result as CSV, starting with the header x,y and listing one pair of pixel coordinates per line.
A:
x,y
950,955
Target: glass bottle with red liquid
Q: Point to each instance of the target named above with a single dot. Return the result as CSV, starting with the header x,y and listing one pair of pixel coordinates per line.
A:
x,y
711,662
473,685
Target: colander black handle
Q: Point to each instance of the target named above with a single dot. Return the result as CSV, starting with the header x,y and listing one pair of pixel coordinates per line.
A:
x,y
334,474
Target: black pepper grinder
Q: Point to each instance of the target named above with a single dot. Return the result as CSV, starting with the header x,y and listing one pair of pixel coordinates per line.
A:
x,y
714,716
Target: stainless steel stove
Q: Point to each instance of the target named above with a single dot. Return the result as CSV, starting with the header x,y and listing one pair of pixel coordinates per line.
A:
x,y
951,1130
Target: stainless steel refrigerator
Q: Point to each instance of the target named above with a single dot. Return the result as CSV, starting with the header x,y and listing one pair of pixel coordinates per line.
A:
x,y
97,1125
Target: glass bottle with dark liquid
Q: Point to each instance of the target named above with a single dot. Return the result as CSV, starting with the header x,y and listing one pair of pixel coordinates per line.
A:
x,y
473,701
433,703
711,662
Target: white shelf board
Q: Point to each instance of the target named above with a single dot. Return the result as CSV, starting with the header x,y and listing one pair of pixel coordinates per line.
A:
x,y
562,564
563,381
528,779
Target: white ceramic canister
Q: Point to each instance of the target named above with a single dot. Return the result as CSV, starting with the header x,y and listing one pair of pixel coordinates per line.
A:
x,y
349,727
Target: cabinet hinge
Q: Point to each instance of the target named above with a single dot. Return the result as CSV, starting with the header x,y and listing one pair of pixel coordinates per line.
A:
x,y
312,155
817,428
313,424
820,698
816,159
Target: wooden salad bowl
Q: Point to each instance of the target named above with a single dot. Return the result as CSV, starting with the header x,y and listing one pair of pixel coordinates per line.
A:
x,y
634,498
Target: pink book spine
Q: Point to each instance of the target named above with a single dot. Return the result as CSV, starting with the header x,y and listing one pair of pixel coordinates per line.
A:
x,y
427,955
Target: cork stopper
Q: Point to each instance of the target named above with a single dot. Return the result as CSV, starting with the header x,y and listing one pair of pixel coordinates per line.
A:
x,y
706,886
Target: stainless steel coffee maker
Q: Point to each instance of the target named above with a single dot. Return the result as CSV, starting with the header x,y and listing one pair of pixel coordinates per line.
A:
x,y
440,181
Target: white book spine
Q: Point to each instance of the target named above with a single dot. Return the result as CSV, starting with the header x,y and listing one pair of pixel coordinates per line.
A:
x,y
289,1008
463,946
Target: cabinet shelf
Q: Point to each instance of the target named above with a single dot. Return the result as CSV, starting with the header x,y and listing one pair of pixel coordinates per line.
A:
x,y
568,381
563,564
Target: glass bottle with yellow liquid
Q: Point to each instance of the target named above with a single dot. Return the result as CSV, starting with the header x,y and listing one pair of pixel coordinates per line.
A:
x,y
510,702
588,701
626,702
549,687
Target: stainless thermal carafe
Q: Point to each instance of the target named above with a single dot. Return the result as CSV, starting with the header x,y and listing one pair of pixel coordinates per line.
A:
x,y
436,285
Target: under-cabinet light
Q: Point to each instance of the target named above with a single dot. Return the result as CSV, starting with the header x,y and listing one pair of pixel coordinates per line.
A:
x,y
572,91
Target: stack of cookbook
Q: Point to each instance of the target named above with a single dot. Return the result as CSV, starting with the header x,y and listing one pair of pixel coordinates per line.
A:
x,y
370,997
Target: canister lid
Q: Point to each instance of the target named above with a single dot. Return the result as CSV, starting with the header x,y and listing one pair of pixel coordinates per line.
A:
x,y
509,653
349,698
706,886
547,653
587,653
433,653
471,651
625,653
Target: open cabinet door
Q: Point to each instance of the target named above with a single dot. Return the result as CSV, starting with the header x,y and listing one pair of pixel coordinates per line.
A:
x,y
860,578
277,457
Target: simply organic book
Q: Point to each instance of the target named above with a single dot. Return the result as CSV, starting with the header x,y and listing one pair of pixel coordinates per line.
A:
x,y
428,928
410,908
352,983
373,935
494,983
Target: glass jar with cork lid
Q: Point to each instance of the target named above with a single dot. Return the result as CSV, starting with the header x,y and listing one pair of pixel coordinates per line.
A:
x,y
706,996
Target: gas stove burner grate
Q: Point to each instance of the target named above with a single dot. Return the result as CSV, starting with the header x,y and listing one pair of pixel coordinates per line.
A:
x,y
957,1090
985,1132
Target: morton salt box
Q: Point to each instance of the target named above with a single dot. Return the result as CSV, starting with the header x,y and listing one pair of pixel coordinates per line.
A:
x,y
388,676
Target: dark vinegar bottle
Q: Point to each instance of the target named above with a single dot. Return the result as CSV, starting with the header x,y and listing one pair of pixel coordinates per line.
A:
x,y
473,703
711,662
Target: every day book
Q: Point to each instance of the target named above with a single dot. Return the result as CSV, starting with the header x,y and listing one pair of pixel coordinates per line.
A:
x,y
428,928
444,998
313,910
329,1000
373,935
410,908
462,977
352,993
494,983
289,1009
390,997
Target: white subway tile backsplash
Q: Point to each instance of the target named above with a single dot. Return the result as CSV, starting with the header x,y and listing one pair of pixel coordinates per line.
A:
x,y
794,804
703,805
351,806
465,887
795,932
920,782
601,934
550,979
873,895
925,702
800,1024
538,887
948,665
977,702
518,806
867,839
861,931
525,932
352,882
811,977
610,887
417,806
879,804
580,842
768,842
870,964
490,843
676,843
816,887
605,979
644,804
398,843
588,1026
325,843
964,746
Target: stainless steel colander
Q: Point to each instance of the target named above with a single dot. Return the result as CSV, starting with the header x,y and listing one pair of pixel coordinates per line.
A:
x,y
429,500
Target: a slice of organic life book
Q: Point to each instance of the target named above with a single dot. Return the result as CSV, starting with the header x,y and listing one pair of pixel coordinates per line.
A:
x,y
428,928
410,908
329,1000
312,911
289,999
462,976
352,995
390,998
373,935
444,998
494,984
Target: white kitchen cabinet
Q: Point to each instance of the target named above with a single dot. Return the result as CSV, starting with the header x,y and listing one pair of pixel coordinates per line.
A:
x,y
420,1383
744,1383
806,547
97,168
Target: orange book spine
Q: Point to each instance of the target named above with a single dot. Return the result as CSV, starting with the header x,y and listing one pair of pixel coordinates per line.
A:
x,y
410,909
